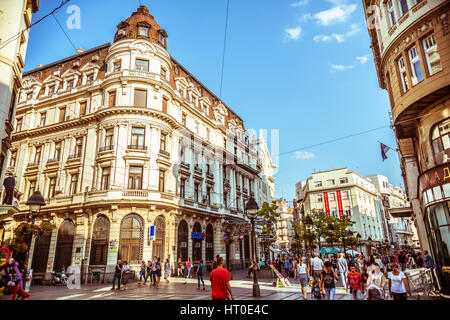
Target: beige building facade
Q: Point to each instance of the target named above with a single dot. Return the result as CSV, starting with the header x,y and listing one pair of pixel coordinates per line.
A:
x,y
135,158
411,47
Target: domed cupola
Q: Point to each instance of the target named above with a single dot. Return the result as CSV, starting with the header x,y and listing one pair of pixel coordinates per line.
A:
x,y
141,25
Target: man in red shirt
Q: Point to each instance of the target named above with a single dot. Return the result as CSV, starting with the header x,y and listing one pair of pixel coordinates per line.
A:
x,y
220,282
354,280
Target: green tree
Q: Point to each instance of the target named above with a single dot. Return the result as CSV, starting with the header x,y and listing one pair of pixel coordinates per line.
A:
x,y
268,212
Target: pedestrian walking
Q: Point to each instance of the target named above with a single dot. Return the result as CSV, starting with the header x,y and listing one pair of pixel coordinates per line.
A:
x,y
316,266
376,279
148,272
429,264
398,285
342,266
189,268
158,272
364,278
379,262
142,271
303,275
167,271
9,183
200,273
125,274
117,275
287,267
155,260
327,280
419,260
220,282
354,282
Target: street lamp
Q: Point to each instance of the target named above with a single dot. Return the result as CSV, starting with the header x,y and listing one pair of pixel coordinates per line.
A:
x,y
251,209
359,241
309,225
369,241
35,202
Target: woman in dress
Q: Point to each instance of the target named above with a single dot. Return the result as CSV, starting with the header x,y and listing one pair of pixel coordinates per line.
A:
x,y
167,271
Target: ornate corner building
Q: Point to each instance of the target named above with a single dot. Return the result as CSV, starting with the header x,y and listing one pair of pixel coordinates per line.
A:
x,y
135,157
411,47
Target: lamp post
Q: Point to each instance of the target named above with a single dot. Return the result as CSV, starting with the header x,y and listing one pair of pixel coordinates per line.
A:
x,y
251,208
35,202
359,242
369,242
309,225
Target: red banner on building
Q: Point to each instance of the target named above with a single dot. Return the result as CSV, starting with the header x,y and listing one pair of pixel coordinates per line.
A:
x,y
339,201
327,205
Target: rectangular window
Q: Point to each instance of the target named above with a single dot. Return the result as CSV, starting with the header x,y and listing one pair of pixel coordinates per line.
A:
x,y
415,66
57,150
317,184
143,31
162,177
106,173
51,188
432,55
90,78
391,11
140,98
330,182
344,194
183,119
32,188
164,106
332,196
117,66
137,137
51,90
12,162
43,119
62,114
182,188
343,180
112,98
37,155
163,142
196,190
70,84
135,178
109,134
402,7
319,198
82,108
163,72
78,147
73,184
141,65
208,195
403,74
19,125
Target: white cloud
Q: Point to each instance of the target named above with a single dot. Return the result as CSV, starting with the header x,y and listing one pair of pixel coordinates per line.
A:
x,y
293,33
339,37
340,67
300,3
305,17
303,155
363,59
340,13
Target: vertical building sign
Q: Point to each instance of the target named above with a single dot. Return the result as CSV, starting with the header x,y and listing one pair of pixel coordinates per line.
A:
x,y
327,205
339,201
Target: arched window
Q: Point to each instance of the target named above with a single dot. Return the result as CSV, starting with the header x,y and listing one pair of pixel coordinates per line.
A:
x,y
197,244
99,243
64,245
440,136
183,240
209,243
131,239
40,251
158,243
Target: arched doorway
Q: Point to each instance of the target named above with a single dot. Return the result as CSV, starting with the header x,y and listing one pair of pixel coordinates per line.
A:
x,y
158,243
64,245
197,244
183,240
131,239
99,243
209,243
41,250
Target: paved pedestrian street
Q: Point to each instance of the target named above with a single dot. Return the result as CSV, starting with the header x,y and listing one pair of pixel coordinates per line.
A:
x,y
177,289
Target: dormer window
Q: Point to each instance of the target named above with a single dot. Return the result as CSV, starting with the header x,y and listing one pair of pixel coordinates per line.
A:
x,y
161,38
30,96
143,31
90,78
52,89
70,84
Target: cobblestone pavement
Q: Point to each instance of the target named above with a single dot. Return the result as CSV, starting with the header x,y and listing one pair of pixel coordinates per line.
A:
x,y
177,289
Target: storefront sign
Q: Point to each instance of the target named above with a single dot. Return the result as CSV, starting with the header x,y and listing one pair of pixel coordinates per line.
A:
x,y
327,205
339,201
197,235
435,177
151,233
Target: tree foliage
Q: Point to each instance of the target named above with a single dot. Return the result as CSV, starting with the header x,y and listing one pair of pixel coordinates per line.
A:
x,y
268,211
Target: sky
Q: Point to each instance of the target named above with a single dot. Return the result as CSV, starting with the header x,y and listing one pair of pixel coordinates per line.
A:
x,y
302,67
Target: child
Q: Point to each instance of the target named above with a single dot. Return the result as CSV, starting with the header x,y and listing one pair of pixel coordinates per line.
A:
x,y
315,291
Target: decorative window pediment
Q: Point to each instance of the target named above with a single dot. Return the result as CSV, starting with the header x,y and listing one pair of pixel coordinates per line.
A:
x,y
90,72
142,46
30,89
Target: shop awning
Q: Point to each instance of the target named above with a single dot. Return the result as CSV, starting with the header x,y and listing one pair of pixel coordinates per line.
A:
x,y
401,212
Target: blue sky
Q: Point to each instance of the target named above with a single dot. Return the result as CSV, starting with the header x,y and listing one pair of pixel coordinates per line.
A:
x,y
302,67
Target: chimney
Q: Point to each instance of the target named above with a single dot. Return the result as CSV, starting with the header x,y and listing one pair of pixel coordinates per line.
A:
x,y
80,50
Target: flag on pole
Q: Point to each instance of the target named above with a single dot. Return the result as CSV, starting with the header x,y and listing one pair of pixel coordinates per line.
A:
x,y
384,150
